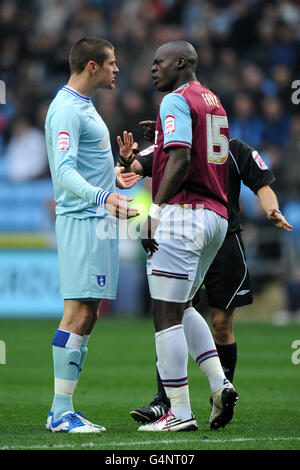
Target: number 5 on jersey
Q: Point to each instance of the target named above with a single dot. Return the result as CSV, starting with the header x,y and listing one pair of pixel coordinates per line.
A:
x,y
215,138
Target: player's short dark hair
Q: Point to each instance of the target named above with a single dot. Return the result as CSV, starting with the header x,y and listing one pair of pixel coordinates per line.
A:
x,y
86,49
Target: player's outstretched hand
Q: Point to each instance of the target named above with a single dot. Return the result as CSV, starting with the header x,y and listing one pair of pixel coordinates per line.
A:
x,y
149,130
149,243
116,205
279,220
125,180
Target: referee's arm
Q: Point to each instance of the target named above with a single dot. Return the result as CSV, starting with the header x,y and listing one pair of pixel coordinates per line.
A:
x,y
269,203
137,167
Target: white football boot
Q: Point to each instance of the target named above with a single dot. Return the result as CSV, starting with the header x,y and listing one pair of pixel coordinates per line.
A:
x,y
223,402
169,422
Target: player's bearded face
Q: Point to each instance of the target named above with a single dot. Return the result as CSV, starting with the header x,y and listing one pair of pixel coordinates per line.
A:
x,y
105,75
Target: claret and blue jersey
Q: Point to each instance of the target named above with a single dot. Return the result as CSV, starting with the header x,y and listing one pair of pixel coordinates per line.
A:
x,y
80,156
192,117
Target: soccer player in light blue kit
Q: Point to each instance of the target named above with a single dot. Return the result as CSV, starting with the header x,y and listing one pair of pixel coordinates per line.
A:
x,y
87,209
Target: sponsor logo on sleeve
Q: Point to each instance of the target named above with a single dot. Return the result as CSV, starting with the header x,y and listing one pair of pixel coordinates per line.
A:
x,y
169,125
259,161
63,141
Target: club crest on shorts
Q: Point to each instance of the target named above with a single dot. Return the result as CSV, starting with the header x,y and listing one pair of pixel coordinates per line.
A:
x,y
101,280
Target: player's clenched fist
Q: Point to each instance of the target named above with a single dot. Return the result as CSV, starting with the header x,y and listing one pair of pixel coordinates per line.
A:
x,y
149,129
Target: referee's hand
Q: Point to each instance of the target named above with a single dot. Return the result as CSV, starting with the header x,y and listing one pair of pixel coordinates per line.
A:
x,y
116,205
276,217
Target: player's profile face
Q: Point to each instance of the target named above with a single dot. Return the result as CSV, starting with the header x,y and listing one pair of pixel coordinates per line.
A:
x,y
164,70
105,75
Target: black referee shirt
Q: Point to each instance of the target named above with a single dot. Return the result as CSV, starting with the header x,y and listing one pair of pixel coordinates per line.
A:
x,y
245,165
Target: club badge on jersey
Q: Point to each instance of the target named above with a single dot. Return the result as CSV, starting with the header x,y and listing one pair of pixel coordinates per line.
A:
x,y
63,142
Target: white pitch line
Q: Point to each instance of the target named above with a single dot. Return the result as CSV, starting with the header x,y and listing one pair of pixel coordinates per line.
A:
x,y
145,443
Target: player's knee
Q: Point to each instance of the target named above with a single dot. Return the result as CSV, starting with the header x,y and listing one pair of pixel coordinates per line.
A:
x,y
164,324
221,329
78,316
89,311
165,317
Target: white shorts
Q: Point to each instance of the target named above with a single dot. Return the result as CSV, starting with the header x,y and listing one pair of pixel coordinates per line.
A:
x,y
189,240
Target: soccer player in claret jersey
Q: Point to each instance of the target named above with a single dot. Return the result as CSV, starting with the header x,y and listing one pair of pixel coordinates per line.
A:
x,y
82,170
227,282
189,185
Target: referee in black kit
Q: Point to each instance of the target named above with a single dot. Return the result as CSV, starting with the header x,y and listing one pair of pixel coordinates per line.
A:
x,y
227,281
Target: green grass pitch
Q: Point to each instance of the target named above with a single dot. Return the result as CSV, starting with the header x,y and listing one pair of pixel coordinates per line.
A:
x,y
119,375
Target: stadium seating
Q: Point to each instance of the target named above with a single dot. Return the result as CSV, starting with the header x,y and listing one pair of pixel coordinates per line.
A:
x,y
24,207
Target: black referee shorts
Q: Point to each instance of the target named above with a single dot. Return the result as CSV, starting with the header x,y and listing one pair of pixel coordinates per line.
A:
x,y
227,282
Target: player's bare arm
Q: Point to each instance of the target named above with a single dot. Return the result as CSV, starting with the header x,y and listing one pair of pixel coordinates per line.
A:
x,y
173,177
269,203
176,168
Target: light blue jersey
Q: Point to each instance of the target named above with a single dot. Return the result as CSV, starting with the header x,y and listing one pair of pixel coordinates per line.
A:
x,y
80,156
176,120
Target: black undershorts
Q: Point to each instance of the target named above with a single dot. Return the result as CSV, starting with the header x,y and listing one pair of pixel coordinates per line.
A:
x,y
227,282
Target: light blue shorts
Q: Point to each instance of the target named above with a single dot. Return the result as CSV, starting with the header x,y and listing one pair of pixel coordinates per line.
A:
x,y
88,257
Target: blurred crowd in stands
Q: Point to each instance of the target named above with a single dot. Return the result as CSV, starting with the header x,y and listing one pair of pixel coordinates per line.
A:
x,y
249,52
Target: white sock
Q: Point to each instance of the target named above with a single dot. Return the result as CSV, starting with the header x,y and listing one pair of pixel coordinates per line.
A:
x,y
180,402
202,347
172,359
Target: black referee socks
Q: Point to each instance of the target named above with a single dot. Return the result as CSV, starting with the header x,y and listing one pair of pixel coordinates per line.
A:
x,y
228,357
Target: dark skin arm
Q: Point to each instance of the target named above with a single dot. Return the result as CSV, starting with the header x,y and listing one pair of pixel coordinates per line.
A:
x,y
176,168
175,171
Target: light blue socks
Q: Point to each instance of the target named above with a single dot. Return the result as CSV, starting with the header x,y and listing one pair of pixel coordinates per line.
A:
x,y
69,353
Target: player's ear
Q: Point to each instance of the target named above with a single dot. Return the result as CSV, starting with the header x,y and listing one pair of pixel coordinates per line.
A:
x,y
92,66
181,62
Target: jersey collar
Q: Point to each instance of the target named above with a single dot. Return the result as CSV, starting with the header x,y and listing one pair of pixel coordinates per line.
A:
x,y
186,84
75,93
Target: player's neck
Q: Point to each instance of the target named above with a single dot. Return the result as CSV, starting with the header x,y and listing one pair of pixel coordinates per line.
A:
x,y
183,80
79,84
